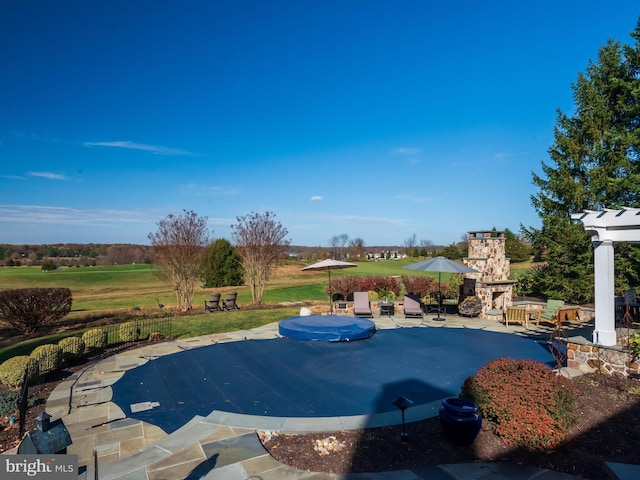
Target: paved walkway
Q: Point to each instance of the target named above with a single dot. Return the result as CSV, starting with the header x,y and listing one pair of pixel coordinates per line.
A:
x,y
226,446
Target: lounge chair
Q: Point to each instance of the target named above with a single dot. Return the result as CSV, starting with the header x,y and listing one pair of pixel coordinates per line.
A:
x,y
412,307
516,315
550,312
230,301
213,304
362,305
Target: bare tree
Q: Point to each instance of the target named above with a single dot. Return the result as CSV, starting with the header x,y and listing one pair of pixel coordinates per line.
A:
x,y
338,244
357,245
410,243
260,242
179,246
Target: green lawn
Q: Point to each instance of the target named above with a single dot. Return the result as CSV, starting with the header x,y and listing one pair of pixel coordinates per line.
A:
x,y
114,290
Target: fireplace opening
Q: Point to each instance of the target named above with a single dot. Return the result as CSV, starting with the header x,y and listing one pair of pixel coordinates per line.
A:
x,y
498,300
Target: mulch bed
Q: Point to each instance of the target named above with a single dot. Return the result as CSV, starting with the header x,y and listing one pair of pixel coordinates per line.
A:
x,y
607,429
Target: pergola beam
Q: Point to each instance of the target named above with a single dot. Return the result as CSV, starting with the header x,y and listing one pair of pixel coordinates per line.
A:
x,y
607,227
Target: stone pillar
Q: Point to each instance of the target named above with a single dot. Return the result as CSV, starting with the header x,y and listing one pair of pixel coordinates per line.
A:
x,y
605,324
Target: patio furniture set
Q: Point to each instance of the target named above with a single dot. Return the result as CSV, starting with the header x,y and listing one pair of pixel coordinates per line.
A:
x,y
229,303
554,312
362,306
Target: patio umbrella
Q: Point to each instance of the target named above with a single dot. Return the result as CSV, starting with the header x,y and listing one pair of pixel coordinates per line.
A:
x,y
328,265
440,265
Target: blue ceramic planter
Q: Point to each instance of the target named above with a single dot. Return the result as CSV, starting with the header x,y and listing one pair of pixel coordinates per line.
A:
x,y
460,420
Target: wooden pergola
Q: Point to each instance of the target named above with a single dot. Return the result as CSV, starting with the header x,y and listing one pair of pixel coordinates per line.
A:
x,y
606,228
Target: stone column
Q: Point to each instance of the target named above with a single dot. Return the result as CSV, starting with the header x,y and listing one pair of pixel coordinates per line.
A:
x,y
605,324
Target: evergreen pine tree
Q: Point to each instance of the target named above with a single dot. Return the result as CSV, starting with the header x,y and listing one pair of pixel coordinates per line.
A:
x,y
223,266
594,164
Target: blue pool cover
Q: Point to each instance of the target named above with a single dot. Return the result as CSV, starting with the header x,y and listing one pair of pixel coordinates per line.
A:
x,y
328,328
282,377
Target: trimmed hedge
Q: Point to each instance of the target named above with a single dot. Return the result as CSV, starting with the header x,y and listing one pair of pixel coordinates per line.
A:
x,y
26,309
129,332
12,370
48,356
94,339
72,348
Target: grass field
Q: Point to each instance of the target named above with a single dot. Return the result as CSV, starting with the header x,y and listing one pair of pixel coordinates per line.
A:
x,y
114,290
118,288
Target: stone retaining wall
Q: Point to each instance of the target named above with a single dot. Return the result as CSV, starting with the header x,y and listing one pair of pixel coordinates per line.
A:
x,y
588,357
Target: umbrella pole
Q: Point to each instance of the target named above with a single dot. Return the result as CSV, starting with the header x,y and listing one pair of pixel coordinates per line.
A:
x,y
439,299
330,299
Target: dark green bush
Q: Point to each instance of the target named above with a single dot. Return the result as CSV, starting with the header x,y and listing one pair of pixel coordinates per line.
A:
x,y
94,339
527,404
26,309
12,370
129,332
49,266
48,356
72,348
9,402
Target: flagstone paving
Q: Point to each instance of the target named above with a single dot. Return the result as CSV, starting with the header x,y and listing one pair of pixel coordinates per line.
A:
x,y
225,446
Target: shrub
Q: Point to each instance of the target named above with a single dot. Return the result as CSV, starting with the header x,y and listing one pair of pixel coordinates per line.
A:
x,y
72,348
129,332
378,284
527,404
94,339
9,402
419,284
48,266
26,309
48,356
344,287
12,370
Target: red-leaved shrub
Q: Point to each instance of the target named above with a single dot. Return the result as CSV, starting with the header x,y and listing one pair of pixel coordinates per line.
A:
x,y
528,405
348,284
419,284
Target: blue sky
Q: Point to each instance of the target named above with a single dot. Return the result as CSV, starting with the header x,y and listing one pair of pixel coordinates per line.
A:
x,y
375,119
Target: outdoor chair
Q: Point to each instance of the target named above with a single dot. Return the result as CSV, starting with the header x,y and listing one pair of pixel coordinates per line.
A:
x,y
627,309
213,304
549,313
412,307
516,315
569,312
631,298
362,305
230,301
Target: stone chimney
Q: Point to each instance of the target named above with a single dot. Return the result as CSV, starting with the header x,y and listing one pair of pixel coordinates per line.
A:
x,y
486,253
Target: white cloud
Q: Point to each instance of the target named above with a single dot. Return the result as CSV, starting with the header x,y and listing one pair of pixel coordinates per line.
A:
x,y
12,177
408,150
156,149
49,175
410,197
316,198
208,190
361,220
27,214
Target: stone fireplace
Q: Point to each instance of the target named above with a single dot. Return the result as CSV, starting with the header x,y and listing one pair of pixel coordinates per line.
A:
x,y
491,285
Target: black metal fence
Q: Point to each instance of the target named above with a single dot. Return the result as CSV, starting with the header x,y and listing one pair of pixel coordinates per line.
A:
x,y
449,303
113,339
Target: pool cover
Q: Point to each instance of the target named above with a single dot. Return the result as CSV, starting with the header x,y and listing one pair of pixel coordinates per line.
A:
x,y
328,328
291,378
